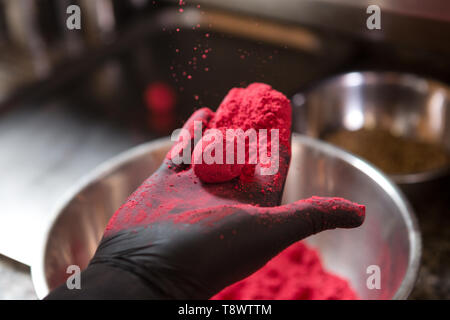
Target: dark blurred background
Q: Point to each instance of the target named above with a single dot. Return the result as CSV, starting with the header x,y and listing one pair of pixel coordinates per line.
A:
x,y
70,99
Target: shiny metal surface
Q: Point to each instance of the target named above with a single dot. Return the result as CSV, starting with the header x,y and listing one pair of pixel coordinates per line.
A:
x,y
15,281
389,238
403,104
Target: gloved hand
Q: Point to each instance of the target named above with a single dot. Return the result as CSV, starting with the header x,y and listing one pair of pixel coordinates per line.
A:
x,y
179,238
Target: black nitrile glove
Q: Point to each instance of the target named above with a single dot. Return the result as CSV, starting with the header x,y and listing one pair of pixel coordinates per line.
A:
x,y
178,238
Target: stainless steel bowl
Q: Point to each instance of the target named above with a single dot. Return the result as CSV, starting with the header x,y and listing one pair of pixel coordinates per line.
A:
x,y
389,238
403,104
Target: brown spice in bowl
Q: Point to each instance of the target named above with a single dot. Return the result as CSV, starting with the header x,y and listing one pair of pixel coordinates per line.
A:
x,y
392,154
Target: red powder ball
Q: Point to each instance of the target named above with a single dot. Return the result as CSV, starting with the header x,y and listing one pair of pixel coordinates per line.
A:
x,y
295,274
256,107
159,97
215,172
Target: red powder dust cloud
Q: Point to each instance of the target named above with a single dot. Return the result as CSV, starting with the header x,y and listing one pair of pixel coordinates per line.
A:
x,y
295,274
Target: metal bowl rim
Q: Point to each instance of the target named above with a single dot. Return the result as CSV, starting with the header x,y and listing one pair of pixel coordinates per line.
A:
x,y
408,215
385,75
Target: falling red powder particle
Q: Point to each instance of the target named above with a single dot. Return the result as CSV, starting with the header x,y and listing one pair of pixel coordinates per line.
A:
x,y
295,274
178,29
181,10
159,97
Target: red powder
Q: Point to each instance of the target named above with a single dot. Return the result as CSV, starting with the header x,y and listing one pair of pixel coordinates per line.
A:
x,y
259,107
160,98
256,107
215,172
295,274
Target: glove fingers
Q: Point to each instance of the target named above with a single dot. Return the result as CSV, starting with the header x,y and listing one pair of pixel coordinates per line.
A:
x,y
179,155
309,216
238,240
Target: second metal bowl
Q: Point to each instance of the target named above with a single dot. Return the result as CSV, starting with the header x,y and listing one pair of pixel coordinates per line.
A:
x,y
403,104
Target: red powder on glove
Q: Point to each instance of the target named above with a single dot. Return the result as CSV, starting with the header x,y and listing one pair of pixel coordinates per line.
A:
x,y
295,274
256,107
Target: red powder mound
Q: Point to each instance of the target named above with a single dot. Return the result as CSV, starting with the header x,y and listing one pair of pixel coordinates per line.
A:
x,y
295,274
259,107
256,107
